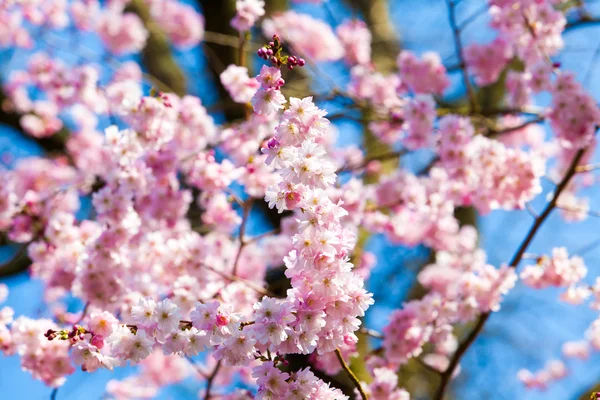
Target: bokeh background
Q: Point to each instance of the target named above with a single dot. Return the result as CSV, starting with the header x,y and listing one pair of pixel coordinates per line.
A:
x,y
532,325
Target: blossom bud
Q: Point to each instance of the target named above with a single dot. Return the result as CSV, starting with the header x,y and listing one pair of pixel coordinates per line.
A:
x,y
98,341
222,320
273,143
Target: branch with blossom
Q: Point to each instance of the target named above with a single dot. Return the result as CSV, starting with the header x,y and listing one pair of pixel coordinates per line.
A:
x,y
166,264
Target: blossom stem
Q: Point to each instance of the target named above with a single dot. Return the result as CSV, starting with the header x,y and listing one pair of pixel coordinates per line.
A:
x,y
459,52
246,215
263,235
372,333
211,379
83,313
351,375
518,256
197,367
232,278
381,157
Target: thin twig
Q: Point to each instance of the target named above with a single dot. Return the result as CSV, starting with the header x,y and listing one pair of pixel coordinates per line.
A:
x,y
83,313
582,22
590,68
20,253
262,236
53,394
586,168
531,211
351,375
476,14
246,215
197,368
591,213
379,157
428,367
211,379
334,19
518,256
243,39
587,248
460,54
225,40
371,332
525,124
257,288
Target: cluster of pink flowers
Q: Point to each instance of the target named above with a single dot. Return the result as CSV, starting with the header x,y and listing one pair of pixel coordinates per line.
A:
x,y
427,75
122,33
164,261
553,371
356,39
487,61
380,90
558,270
419,116
12,33
15,15
575,114
461,285
533,27
385,386
183,24
247,13
240,86
323,283
485,171
47,361
157,370
268,99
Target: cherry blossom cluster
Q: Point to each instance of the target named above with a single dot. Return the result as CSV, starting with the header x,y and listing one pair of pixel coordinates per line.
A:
x,y
162,259
553,371
461,285
487,168
356,40
487,61
558,270
427,75
574,114
533,27
121,30
247,13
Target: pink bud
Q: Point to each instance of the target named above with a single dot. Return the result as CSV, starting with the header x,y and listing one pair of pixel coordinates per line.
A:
x,y
98,341
222,320
272,143
350,340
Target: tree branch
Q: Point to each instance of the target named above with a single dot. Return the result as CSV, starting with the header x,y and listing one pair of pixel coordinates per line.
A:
x,y
156,54
460,54
210,380
351,375
514,262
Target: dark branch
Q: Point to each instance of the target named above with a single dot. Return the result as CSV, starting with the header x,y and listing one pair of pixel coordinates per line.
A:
x,y
514,262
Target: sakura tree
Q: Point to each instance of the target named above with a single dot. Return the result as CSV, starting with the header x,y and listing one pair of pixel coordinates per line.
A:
x,y
229,243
